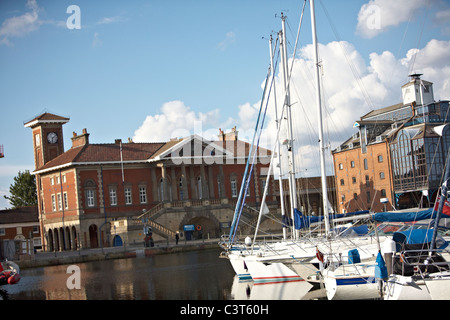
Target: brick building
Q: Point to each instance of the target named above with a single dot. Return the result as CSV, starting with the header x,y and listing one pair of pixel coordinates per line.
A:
x,y
19,233
397,156
95,195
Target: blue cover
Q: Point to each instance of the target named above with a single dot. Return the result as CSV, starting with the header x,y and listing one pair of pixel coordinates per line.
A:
x,y
380,268
353,256
301,221
404,216
413,236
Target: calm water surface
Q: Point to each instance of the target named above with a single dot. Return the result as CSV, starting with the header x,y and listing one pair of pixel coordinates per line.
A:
x,y
199,275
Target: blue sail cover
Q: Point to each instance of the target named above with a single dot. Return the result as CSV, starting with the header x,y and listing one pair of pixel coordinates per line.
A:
x,y
301,221
404,216
413,236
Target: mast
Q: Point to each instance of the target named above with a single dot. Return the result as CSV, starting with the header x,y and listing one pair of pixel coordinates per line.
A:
x,y
319,109
287,103
283,213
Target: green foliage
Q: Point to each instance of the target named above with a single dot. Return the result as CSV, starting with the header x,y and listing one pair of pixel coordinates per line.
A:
x,y
23,191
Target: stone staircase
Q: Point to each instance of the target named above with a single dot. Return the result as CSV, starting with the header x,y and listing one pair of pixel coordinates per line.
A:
x,y
151,214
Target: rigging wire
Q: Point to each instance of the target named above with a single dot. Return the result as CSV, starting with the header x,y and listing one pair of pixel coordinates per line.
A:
x,y
419,39
247,175
346,55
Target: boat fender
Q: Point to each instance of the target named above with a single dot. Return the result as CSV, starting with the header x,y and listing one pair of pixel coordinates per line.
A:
x,y
388,246
14,279
248,241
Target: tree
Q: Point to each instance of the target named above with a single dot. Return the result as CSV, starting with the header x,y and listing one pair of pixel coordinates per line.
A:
x,y
23,191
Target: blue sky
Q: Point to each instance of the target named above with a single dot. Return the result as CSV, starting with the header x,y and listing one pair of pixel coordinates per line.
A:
x,y
144,69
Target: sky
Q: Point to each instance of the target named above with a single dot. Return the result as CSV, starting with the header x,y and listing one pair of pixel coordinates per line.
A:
x,y
152,70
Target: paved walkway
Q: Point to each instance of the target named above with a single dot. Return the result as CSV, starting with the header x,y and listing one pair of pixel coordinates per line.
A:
x,y
40,256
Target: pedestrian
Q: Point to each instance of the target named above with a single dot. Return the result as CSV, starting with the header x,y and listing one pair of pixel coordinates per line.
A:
x,y
177,237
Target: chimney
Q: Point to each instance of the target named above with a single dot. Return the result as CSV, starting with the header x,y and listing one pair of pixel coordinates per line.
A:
x,y
80,140
118,141
233,135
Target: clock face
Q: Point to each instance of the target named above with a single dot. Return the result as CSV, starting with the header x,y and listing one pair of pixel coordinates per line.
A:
x,y
52,137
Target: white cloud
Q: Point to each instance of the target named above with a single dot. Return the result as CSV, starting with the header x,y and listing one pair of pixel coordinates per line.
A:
x,y
378,16
12,170
177,120
21,25
97,42
108,20
230,38
351,88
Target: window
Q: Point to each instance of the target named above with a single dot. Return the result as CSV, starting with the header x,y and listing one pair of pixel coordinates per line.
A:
x,y
90,198
383,192
342,182
2,232
143,194
355,196
353,180
367,181
90,192
35,229
128,199
343,198
368,196
381,175
366,165
233,188
52,181
53,202
112,196
58,181
352,164
66,202
64,178
380,158
341,166
59,202
37,138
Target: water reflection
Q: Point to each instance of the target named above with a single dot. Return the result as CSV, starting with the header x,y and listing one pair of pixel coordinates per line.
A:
x,y
199,275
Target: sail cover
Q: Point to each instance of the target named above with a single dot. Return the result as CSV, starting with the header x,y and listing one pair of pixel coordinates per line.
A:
x,y
301,221
404,216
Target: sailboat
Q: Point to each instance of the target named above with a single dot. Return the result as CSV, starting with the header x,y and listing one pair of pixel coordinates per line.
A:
x,y
274,262
420,261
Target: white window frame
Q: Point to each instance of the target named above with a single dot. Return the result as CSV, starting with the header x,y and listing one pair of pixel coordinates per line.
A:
x,y
53,203
66,200
143,194
128,195
90,198
59,201
113,196
234,188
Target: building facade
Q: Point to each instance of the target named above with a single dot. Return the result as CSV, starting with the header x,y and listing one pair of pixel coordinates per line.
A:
x,y
397,156
94,195
19,233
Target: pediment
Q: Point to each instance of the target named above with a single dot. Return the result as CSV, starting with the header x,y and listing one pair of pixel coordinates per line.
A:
x,y
194,149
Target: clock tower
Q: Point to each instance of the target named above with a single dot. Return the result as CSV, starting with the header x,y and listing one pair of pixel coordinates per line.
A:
x,y
48,142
